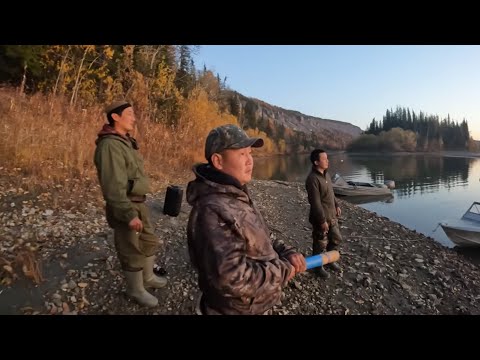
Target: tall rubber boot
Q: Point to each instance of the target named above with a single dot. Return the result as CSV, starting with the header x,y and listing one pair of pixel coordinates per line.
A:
x,y
318,249
335,266
321,272
149,278
136,290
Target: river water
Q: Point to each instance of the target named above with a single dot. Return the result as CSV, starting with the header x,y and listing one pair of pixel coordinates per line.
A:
x,y
428,188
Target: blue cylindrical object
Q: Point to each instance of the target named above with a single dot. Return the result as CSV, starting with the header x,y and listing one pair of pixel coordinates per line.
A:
x,y
314,261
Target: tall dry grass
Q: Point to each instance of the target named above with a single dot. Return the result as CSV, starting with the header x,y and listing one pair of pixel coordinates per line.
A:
x,y
52,142
45,138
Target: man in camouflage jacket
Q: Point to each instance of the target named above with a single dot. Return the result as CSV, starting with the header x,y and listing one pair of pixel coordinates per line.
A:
x,y
240,270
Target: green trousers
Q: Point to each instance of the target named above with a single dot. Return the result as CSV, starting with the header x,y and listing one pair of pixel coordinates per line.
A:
x,y
132,247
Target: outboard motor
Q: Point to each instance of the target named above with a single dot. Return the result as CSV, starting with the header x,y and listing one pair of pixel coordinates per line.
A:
x,y
390,184
173,200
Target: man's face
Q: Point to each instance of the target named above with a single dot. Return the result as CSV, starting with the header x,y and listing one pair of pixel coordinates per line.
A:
x,y
126,122
322,162
237,163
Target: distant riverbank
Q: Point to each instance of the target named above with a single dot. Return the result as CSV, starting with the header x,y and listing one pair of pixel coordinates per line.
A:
x,y
466,154
450,153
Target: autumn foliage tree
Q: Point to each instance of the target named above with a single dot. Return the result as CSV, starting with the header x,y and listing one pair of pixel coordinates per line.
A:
x,y
176,106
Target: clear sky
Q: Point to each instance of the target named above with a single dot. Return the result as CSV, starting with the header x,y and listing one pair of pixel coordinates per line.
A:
x,y
354,83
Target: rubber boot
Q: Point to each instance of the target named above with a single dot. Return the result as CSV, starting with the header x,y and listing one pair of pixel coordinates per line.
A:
x,y
321,272
136,291
149,278
335,266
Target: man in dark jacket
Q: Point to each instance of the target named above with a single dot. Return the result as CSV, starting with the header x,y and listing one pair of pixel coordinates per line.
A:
x,y
124,187
240,270
324,209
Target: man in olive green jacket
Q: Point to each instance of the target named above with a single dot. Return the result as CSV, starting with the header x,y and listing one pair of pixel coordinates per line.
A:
x,y
324,209
124,187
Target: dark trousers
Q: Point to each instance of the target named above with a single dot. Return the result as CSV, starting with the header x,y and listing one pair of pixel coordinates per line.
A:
x,y
330,241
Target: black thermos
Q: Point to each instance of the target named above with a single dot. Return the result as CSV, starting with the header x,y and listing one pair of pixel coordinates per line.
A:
x,y
173,200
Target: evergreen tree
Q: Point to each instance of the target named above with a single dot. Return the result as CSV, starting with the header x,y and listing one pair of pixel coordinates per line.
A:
x,y
184,77
21,64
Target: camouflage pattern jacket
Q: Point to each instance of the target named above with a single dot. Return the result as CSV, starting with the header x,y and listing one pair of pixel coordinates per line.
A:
x,y
240,270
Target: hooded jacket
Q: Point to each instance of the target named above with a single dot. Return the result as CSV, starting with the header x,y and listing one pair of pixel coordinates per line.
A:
x,y
120,173
240,270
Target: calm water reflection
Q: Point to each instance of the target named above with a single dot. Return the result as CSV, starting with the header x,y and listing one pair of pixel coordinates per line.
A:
x,y
429,188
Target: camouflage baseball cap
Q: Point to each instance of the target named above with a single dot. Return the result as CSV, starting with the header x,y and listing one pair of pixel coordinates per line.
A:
x,y
228,137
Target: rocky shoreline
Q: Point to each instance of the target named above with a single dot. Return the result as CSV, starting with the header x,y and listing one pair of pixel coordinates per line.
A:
x,y
62,241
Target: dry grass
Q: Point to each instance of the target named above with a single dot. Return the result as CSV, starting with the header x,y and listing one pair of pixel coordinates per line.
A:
x,y
25,260
30,265
49,142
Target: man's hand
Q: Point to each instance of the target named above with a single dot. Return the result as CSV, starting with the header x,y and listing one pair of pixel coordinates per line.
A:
x,y
339,211
292,273
298,262
325,227
136,224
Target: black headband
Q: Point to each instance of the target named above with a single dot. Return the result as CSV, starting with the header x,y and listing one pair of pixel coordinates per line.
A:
x,y
119,109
